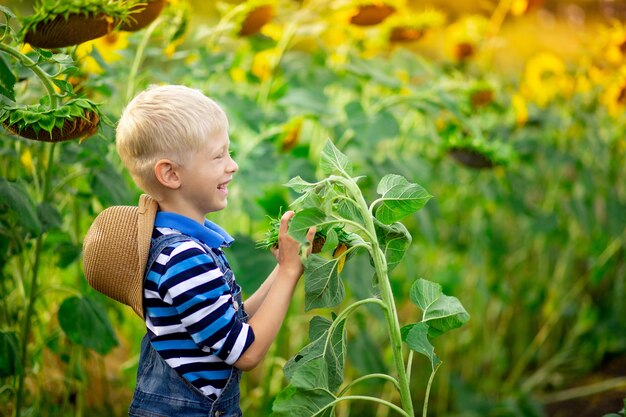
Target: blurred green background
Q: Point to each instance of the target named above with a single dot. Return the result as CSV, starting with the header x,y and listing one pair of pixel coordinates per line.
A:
x,y
509,113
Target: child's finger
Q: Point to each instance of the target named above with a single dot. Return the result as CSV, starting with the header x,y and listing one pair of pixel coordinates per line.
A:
x,y
284,222
310,235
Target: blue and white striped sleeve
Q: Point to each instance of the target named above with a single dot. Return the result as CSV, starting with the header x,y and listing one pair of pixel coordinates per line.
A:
x,y
196,288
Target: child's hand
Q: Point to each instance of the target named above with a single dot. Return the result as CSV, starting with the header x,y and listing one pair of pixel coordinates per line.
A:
x,y
288,251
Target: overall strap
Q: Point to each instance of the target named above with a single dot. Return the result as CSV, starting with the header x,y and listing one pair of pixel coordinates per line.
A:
x,y
164,241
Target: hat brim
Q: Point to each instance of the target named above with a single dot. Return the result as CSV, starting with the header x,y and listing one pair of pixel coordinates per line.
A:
x,y
116,248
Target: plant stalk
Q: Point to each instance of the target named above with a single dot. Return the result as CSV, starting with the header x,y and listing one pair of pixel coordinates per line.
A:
x,y
43,76
370,376
391,313
134,69
32,297
427,395
266,86
365,398
393,327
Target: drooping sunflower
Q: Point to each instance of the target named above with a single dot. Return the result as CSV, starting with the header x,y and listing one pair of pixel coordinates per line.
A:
x,y
76,118
61,23
250,17
143,14
365,13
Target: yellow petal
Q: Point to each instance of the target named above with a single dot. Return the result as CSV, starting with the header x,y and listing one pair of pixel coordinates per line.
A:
x,y
27,160
263,63
520,109
272,30
519,7
237,74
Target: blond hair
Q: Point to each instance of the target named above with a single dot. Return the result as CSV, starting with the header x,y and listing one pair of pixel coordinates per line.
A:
x,y
171,122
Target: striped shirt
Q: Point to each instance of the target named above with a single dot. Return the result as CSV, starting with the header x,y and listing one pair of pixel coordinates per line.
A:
x,y
191,319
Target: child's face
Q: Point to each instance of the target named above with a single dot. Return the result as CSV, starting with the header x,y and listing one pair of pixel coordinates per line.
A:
x,y
205,178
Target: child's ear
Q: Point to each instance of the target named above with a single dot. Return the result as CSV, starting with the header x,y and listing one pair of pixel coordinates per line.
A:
x,y
166,173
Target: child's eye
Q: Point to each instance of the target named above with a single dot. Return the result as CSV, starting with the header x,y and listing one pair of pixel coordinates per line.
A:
x,y
223,154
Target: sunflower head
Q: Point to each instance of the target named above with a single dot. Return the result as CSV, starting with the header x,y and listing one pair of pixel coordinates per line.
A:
x,y
61,23
371,14
410,26
465,36
256,19
545,79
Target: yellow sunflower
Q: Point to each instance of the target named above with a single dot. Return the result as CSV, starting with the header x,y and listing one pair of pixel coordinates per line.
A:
x,y
608,46
545,78
264,62
465,36
27,161
410,26
614,95
520,7
107,46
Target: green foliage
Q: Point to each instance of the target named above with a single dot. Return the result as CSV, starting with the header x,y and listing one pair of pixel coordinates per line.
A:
x,y
320,364
394,240
440,312
399,198
316,372
10,364
333,162
18,207
85,322
533,242
329,236
322,287
7,80
294,401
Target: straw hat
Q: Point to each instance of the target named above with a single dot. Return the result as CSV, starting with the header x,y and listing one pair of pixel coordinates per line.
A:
x,y
116,248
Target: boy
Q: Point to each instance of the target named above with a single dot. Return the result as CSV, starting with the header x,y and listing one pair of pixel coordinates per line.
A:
x,y
174,142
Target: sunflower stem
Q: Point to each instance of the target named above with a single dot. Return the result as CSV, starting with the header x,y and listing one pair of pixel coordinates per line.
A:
x,y
130,88
33,290
44,77
387,299
281,48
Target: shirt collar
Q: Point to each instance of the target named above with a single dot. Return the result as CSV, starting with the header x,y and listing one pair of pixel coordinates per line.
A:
x,y
210,234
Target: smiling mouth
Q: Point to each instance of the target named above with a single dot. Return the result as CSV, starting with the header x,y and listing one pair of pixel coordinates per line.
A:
x,y
223,186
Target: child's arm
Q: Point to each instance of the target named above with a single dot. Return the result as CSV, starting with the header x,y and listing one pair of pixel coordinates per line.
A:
x,y
270,313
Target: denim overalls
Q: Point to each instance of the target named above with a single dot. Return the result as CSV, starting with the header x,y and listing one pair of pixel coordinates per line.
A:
x,y
161,391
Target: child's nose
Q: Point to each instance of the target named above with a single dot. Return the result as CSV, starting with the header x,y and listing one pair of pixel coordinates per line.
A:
x,y
233,167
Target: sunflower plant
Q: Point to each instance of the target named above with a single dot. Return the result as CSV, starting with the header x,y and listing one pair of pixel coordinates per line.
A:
x,y
333,239
61,23
60,114
316,373
57,114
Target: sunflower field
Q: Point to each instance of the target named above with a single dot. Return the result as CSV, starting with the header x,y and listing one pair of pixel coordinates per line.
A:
x,y
488,136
